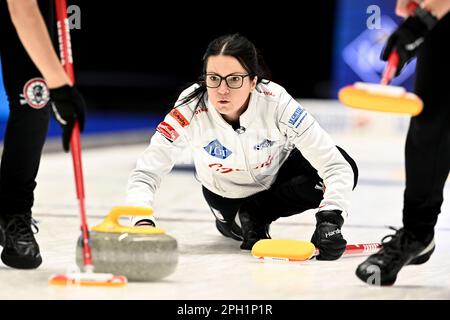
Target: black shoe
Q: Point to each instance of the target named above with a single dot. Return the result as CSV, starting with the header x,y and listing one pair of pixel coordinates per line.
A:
x,y
20,249
252,230
425,255
229,230
2,236
402,248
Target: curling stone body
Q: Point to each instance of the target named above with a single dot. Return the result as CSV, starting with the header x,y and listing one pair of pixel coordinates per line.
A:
x,y
139,253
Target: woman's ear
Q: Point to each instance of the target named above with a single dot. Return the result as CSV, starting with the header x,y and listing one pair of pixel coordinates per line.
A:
x,y
253,85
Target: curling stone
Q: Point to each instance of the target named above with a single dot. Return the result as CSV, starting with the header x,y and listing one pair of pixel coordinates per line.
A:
x,y
138,253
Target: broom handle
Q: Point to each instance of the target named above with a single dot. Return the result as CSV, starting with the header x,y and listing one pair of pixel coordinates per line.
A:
x,y
358,248
75,143
391,68
393,60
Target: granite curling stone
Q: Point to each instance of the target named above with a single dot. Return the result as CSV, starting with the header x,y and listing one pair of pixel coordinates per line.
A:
x,y
138,253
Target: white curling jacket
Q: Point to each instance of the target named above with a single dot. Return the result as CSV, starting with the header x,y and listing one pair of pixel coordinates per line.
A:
x,y
239,163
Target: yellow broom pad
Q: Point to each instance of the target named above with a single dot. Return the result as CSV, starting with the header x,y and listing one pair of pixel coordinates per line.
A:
x,y
278,249
377,97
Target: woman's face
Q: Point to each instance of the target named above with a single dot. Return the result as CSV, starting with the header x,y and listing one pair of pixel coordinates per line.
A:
x,y
230,97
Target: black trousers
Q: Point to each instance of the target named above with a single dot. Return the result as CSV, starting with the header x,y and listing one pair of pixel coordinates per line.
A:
x,y
28,121
297,188
427,150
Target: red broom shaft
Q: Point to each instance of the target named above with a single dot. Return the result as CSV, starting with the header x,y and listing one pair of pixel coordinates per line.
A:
x,y
65,47
362,248
358,248
75,146
391,68
75,143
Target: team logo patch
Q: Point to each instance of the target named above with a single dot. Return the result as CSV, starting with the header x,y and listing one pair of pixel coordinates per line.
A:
x,y
216,149
36,93
297,117
167,131
179,117
265,144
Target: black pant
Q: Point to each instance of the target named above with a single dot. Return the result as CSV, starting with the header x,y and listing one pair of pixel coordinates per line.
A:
x,y
28,120
297,188
428,141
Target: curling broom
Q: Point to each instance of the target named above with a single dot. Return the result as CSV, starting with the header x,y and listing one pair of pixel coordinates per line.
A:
x,y
88,277
301,250
383,97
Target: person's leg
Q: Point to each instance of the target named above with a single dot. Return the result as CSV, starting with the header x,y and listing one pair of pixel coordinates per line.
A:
x,y
427,166
225,211
24,138
427,150
297,188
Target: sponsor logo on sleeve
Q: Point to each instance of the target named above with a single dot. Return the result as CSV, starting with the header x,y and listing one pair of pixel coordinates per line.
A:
x,y
297,117
179,117
216,149
167,131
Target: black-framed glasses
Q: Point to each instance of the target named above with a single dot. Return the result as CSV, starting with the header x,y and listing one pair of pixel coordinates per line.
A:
x,y
233,81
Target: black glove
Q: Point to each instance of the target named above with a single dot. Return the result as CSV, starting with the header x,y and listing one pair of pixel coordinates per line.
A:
x,y
252,228
67,106
408,37
328,237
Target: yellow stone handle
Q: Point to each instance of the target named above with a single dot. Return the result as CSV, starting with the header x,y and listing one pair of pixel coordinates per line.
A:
x,y
111,223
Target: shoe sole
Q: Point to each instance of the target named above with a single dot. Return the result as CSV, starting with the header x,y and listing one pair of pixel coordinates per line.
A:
x,y
425,255
24,264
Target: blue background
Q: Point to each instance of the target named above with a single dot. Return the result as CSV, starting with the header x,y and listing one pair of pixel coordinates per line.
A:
x,y
357,49
336,48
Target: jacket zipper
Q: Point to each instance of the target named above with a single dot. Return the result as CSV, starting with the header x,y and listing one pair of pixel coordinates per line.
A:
x,y
248,166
